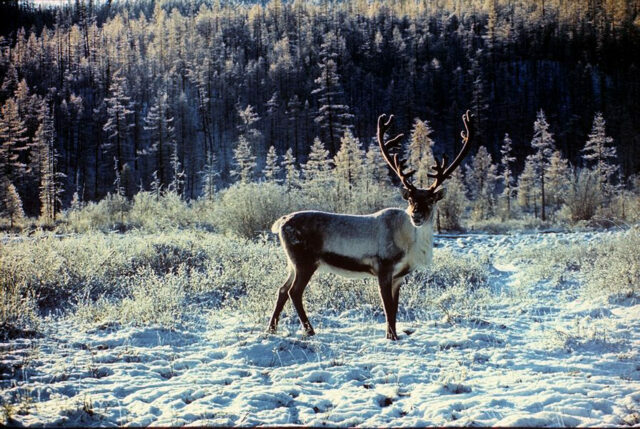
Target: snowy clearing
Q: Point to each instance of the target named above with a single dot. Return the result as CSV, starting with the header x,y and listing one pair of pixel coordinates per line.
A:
x,y
537,355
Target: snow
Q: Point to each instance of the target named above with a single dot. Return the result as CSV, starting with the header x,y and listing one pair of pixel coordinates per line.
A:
x,y
556,360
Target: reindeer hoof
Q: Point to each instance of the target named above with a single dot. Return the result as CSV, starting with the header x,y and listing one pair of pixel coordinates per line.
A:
x,y
392,337
309,332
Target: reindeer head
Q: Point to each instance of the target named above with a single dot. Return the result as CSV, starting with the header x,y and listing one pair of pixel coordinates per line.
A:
x,y
421,201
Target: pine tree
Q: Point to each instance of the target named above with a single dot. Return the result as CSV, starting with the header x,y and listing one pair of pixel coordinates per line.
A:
x,y
10,202
155,187
528,187
544,145
209,175
375,178
271,170
294,114
13,141
273,110
45,157
244,161
557,179
317,172
117,182
333,115
508,179
247,128
349,168
118,123
291,172
599,154
481,176
159,123
177,173
479,105
453,205
421,152
248,122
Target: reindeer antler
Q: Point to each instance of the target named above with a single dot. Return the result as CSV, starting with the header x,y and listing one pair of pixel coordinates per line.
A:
x,y
394,161
442,172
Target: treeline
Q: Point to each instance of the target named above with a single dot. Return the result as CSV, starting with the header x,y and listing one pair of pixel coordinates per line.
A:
x,y
118,97
482,195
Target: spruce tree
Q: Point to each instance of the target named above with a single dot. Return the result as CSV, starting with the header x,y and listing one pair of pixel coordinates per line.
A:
x,y
508,179
333,114
528,186
244,161
291,172
557,179
318,180
44,155
177,173
421,152
209,175
544,144
453,205
10,202
599,154
159,123
13,141
271,170
375,178
118,123
349,169
481,176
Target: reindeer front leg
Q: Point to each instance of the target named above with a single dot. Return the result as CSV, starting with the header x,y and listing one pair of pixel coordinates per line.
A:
x,y
390,305
395,296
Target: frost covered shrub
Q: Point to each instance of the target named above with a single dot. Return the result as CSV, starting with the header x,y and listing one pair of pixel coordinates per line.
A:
x,y
583,197
247,209
624,206
56,270
455,285
607,267
448,269
556,264
498,226
108,214
585,333
18,311
615,270
151,299
147,210
157,213
37,268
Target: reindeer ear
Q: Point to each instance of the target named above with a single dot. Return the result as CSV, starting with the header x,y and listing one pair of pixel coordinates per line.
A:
x,y
440,193
406,193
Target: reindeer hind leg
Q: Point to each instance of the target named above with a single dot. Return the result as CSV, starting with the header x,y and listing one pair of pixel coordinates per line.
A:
x,y
302,277
282,297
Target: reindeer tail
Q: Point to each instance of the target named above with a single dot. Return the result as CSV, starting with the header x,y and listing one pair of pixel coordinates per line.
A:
x,y
275,228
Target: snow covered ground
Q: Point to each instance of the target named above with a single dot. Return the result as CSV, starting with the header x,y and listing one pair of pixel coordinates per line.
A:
x,y
538,355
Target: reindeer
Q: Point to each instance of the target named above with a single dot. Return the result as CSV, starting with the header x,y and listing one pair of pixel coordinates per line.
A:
x,y
388,244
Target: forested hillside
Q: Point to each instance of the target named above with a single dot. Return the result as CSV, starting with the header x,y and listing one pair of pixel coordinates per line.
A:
x,y
104,97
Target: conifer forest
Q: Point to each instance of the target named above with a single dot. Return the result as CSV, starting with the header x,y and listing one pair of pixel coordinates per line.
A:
x,y
99,98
